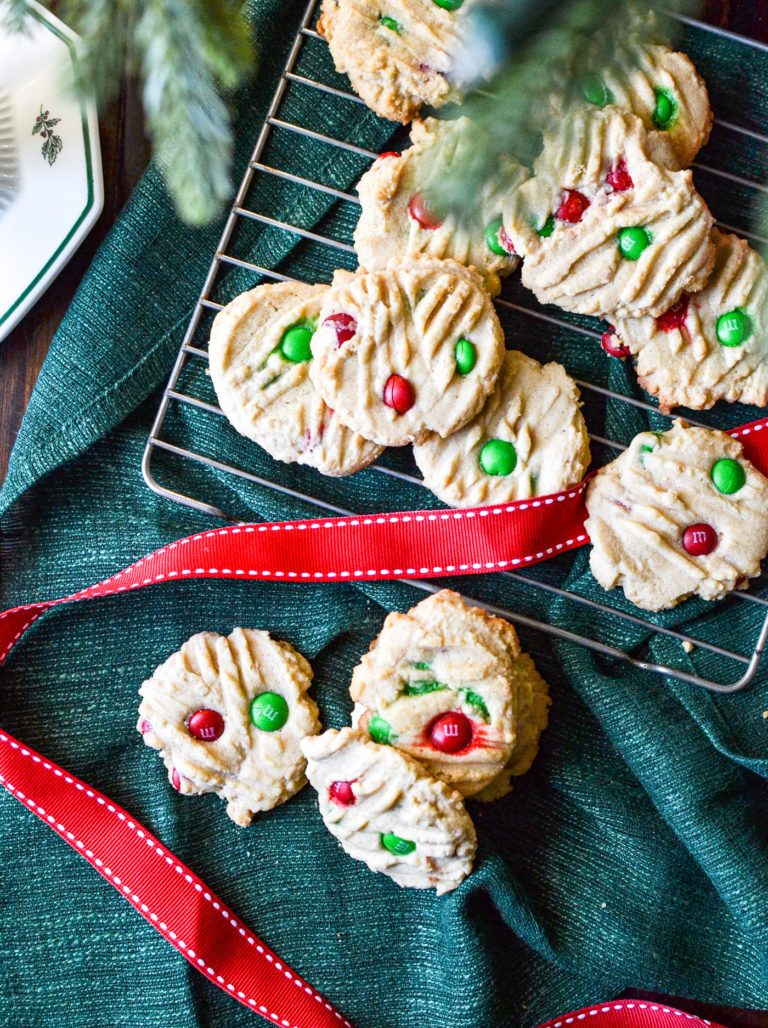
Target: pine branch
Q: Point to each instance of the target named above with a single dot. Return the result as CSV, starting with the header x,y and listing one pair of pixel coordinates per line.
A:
x,y
185,52
181,61
106,27
227,41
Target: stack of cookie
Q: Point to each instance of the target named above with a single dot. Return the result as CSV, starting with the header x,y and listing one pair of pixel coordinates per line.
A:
x,y
447,707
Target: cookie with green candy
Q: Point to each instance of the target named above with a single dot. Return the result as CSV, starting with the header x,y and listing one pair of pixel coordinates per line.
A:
x,y
260,356
680,513
629,66
661,87
711,345
604,229
388,812
529,439
227,714
396,219
447,684
398,54
385,349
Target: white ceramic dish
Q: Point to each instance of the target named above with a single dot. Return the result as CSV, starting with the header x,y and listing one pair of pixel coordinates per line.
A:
x,y
53,189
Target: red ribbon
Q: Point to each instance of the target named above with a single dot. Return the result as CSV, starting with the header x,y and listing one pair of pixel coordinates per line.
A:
x,y
410,544
629,1013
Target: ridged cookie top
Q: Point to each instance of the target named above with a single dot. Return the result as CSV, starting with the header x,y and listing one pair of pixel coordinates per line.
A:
x,y
660,86
602,229
678,513
388,812
446,683
398,54
713,344
528,440
259,361
385,350
253,768
396,220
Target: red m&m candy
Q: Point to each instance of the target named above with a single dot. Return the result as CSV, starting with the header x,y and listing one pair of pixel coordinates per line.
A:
x,y
572,206
145,727
341,793
674,317
399,394
420,213
619,179
699,540
390,153
206,725
451,732
344,325
176,780
611,344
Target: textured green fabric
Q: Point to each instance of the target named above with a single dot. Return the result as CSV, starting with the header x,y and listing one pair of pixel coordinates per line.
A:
x,y
634,854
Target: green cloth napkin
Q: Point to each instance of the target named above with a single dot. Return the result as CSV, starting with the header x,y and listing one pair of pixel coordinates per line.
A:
x,y
635,852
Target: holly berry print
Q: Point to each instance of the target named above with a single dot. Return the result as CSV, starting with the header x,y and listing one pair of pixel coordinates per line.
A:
x,y
52,144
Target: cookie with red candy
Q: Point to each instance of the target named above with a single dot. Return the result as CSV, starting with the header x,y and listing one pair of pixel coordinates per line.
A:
x,y
259,357
388,344
227,715
680,513
396,219
711,345
602,227
386,810
398,54
447,684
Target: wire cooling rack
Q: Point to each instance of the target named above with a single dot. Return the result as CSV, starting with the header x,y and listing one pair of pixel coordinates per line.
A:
x,y
692,652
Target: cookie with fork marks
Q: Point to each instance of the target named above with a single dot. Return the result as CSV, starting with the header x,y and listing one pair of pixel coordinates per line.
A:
x,y
227,714
447,684
411,349
387,811
259,361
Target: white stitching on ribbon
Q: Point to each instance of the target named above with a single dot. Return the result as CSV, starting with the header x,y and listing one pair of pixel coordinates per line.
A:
x,y
137,902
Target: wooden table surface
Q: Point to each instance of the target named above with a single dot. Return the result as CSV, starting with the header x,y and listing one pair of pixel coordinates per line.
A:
x,y
125,154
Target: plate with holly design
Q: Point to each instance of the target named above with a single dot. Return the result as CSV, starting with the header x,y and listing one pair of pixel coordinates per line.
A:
x,y
51,186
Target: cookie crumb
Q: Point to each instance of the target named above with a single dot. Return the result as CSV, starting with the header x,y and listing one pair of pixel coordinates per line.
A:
x,y
687,645
765,714
603,906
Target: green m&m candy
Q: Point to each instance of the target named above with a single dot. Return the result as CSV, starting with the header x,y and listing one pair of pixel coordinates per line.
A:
x,y
495,239
380,730
595,91
392,25
665,111
632,241
294,345
397,846
734,327
269,711
728,475
547,228
465,355
449,5
498,457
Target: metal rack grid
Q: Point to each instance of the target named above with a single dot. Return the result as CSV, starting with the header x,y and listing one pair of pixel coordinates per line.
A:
x,y
737,668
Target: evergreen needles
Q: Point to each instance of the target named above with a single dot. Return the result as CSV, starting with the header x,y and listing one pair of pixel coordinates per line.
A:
x,y
186,54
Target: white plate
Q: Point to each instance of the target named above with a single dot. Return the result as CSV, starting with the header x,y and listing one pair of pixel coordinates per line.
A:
x,y
57,189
